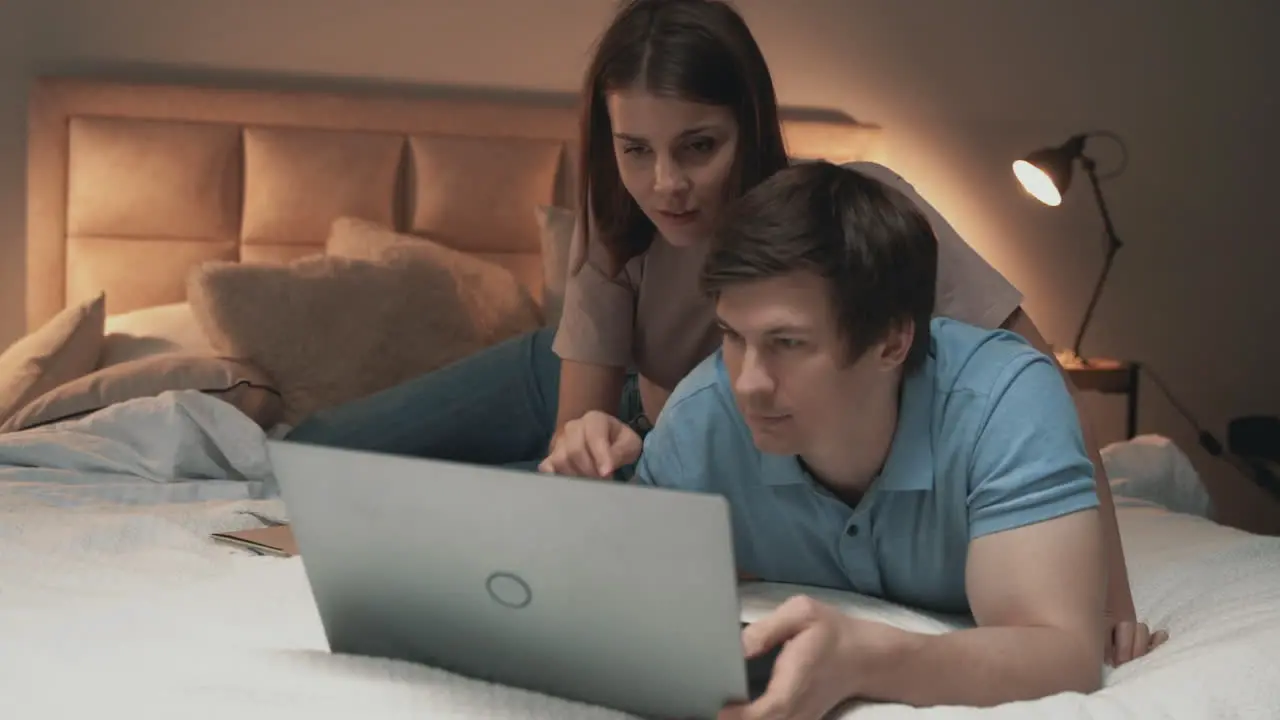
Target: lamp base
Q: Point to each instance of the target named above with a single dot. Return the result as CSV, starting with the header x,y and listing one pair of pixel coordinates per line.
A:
x,y
1068,358
1071,361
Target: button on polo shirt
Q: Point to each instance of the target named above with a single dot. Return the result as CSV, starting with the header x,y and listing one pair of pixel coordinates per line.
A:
x,y
987,440
858,557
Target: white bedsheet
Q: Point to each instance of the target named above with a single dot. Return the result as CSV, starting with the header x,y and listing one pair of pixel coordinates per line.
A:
x,y
113,600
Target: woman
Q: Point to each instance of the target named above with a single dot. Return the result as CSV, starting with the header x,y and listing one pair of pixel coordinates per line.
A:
x,y
679,115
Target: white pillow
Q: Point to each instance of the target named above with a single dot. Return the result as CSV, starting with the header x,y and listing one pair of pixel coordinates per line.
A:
x,y
152,331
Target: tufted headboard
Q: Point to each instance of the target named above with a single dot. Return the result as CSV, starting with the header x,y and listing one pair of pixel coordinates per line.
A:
x,y
131,185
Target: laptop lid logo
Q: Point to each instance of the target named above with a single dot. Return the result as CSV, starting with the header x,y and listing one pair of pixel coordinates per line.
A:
x,y
509,589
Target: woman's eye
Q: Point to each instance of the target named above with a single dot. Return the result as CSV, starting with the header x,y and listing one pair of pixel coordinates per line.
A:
x,y
702,145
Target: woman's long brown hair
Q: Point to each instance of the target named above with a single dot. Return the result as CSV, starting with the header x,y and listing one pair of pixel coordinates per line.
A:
x,y
695,50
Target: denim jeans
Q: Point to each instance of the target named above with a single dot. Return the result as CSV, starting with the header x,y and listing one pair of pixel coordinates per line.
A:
x,y
496,407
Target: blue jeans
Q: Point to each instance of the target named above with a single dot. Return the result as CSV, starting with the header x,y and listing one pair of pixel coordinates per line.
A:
x,y
496,407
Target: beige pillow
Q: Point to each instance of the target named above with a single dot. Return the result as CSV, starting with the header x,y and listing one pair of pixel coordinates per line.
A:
x,y
63,349
496,301
360,239
331,329
170,328
235,381
555,228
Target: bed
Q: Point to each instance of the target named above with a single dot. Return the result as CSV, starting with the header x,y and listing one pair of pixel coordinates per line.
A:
x,y
205,266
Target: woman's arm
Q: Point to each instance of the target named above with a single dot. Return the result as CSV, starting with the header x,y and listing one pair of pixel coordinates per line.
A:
x,y
1119,597
585,387
593,339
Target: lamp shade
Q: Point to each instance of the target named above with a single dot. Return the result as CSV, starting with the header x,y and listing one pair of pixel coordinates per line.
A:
x,y
1046,173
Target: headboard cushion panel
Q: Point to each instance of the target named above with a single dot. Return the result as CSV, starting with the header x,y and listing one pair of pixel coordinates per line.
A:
x,y
145,179
145,200
298,181
479,194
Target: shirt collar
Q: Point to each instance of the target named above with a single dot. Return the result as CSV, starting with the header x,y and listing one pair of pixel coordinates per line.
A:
x,y
909,466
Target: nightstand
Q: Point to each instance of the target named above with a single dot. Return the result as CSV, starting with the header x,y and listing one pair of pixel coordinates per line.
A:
x,y
1109,377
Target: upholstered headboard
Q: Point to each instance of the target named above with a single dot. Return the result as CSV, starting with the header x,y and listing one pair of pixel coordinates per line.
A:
x,y
131,185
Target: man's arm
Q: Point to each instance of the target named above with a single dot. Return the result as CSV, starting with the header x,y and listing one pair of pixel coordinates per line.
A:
x,y
1119,595
1036,570
1037,594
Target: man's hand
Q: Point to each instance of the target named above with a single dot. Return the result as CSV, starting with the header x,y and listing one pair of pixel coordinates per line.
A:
x,y
814,672
593,446
1129,640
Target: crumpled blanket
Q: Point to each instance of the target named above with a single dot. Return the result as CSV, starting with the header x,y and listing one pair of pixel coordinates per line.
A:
x,y
180,446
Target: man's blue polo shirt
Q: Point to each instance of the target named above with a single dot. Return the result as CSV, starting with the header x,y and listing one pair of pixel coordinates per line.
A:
x,y
988,439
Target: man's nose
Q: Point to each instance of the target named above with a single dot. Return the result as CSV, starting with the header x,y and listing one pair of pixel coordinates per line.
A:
x,y
753,377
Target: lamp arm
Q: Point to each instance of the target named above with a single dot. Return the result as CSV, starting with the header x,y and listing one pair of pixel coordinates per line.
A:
x,y
1113,246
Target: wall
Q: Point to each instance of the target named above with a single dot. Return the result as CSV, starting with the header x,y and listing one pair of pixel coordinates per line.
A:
x,y
15,16
961,88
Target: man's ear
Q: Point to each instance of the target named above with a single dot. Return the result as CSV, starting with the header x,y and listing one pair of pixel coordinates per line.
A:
x,y
897,344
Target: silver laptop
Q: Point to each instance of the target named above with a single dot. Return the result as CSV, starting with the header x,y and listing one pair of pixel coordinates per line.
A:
x,y
619,596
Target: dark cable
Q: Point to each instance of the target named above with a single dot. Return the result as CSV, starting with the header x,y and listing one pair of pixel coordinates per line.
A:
x,y
1206,439
1124,153
1254,469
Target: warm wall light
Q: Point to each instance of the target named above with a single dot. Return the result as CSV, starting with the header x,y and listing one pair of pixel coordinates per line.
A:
x,y
1046,175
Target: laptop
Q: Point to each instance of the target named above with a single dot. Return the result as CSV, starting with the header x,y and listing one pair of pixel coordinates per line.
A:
x,y
609,594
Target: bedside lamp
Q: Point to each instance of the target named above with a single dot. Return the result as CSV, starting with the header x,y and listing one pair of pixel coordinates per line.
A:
x,y
1046,175
1252,440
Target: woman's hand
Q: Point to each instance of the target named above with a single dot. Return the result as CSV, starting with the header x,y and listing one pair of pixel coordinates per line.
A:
x,y
593,446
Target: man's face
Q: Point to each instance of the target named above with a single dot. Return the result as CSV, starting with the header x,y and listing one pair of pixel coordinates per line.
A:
x,y
792,376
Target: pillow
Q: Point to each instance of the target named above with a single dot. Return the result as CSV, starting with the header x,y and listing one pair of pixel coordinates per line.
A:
x,y
359,239
498,303
151,331
234,381
63,349
555,227
330,329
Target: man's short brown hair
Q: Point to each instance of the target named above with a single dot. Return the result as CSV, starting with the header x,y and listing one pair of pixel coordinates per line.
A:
x,y
873,246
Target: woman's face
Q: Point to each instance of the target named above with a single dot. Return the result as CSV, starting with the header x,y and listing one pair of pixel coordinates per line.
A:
x,y
675,158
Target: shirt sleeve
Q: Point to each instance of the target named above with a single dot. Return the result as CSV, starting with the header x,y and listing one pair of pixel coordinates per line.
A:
x,y
659,464
1029,463
969,289
599,311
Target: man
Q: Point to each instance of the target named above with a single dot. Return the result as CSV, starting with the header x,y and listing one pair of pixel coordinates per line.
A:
x,y
866,447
